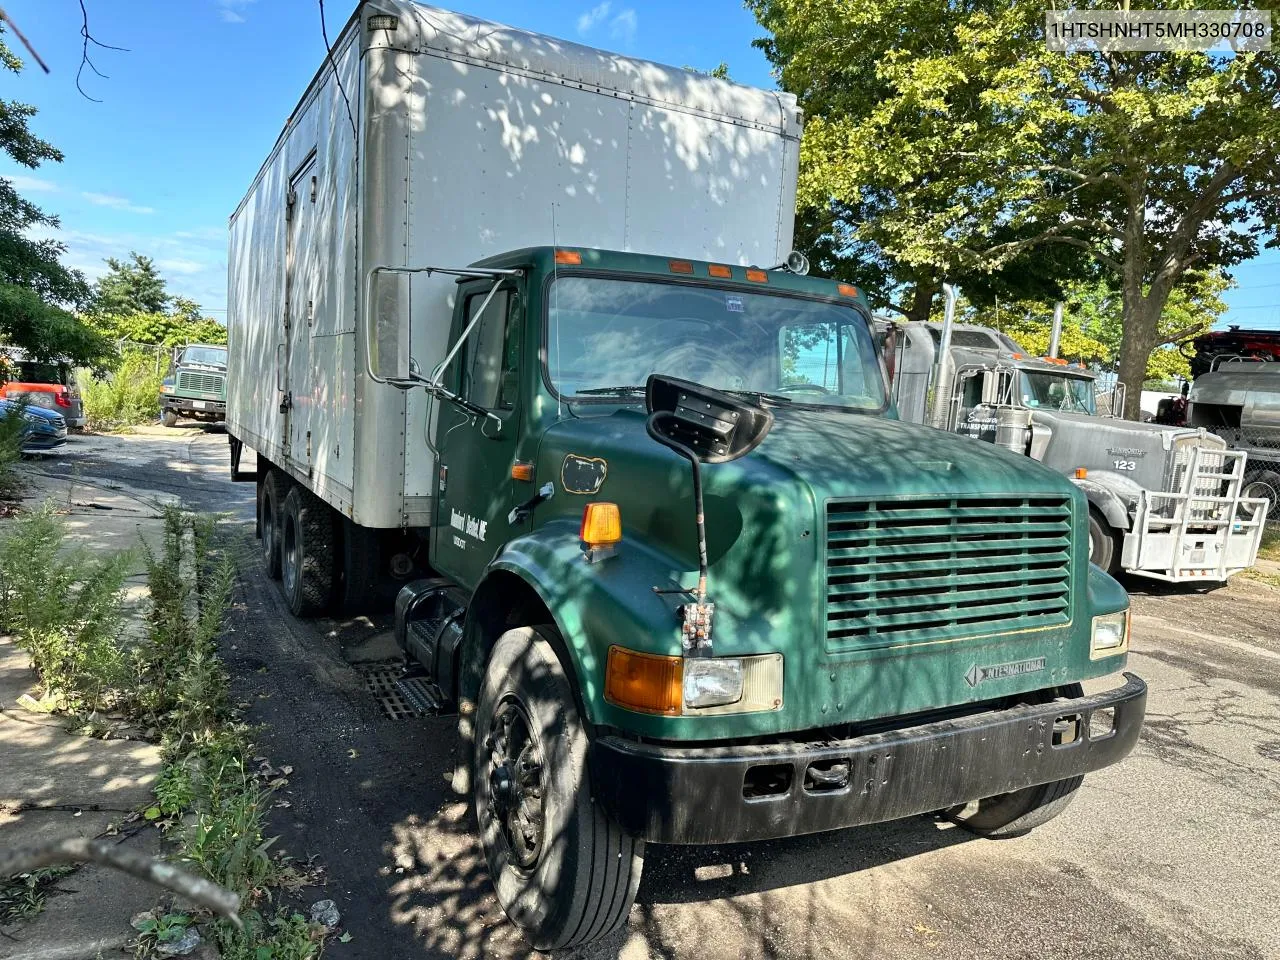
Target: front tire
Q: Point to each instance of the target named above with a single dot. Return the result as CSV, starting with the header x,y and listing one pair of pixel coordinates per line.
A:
x,y
564,871
306,553
1264,483
1014,814
169,418
1104,547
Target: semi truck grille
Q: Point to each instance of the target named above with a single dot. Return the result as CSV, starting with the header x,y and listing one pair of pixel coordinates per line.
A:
x,y
907,571
200,382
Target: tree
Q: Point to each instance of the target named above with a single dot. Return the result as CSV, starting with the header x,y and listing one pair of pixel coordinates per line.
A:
x,y
130,286
37,292
973,144
904,166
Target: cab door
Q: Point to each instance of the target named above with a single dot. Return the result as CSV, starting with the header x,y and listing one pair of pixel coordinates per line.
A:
x,y
474,489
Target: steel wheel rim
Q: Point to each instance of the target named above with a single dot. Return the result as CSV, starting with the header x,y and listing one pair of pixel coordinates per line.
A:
x,y
1263,490
515,794
269,528
290,554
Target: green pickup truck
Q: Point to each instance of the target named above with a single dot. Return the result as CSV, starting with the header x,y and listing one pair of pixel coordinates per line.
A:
x,y
196,386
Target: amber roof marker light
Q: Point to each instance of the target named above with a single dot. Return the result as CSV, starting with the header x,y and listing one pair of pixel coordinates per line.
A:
x,y
569,258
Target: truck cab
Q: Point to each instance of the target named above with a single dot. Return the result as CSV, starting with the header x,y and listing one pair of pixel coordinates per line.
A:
x,y
196,385
1164,502
1239,401
48,384
693,580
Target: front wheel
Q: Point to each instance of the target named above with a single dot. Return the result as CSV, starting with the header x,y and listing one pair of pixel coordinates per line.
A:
x,y
1103,544
1264,484
169,418
1013,814
564,871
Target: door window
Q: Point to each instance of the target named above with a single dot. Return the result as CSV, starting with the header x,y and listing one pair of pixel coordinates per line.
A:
x,y
491,356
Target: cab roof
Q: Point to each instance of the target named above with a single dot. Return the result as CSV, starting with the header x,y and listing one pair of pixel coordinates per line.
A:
x,y
579,259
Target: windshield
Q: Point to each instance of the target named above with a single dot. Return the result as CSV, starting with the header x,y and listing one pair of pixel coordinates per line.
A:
x,y
604,333
215,356
1056,391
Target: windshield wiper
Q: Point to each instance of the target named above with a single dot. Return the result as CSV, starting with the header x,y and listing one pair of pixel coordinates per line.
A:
x,y
761,395
610,391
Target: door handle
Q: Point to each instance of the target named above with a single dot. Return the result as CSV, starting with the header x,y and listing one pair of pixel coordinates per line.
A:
x,y
519,512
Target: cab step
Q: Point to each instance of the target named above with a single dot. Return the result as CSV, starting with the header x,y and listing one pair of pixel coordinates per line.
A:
x,y
428,627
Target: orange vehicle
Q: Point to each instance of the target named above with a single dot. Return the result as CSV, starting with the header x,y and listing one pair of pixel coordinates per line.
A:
x,y
50,384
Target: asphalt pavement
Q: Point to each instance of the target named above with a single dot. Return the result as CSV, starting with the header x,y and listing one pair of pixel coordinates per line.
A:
x,y
1173,854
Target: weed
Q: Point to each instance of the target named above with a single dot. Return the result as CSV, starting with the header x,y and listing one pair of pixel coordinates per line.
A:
x,y
22,897
156,930
128,395
64,608
1269,549
285,936
12,428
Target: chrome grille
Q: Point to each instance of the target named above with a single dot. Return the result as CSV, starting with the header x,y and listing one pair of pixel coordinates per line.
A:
x,y
909,570
200,382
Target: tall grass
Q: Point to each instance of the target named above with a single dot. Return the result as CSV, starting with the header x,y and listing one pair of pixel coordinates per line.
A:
x,y
128,395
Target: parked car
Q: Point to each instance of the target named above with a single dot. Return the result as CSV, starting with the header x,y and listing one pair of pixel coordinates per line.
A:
x,y
45,431
48,384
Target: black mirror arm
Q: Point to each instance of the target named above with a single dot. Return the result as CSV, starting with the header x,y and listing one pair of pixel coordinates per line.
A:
x,y
700,609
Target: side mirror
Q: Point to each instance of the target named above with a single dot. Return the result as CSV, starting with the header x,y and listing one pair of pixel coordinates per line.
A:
x,y
990,387
387,328
703,424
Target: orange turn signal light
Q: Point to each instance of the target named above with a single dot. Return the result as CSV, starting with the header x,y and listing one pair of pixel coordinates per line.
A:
x,y
1081,473
847,289
521,470
601,524
644,682
568,257
758,276
721,271
680,266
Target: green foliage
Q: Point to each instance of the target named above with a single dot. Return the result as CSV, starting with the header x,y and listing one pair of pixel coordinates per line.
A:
x,y
130,286
946,141
36,289
22,896
131,303
11,440
64,608
284,936
128,395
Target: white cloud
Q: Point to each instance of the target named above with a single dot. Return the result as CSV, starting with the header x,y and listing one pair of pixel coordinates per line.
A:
x,y
193,261
623,26
115,203
31,184
597,14
232,11
178,265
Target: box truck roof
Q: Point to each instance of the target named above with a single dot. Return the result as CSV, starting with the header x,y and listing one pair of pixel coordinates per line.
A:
x,y
425,29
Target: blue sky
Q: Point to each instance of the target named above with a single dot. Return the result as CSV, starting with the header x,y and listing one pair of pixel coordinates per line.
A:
x,y
189,113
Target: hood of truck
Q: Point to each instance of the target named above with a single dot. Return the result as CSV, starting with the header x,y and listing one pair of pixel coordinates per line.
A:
x,y
1122,454
886,561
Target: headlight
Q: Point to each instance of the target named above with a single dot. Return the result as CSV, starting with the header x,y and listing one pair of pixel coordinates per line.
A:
x,y
675,686
166,388
712,682
32,417
1110,635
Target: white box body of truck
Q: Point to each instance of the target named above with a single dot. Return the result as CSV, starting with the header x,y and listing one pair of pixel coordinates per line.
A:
x,y
465,139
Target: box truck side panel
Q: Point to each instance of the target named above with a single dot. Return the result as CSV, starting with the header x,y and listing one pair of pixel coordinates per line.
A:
x,y
291,309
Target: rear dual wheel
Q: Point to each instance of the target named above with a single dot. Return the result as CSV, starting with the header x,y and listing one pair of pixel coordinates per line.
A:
x,y
307,552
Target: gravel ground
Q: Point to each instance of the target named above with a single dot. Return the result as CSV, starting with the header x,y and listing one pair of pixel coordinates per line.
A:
x,y
1171,854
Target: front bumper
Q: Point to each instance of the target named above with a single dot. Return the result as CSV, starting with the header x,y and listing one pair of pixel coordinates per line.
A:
x,y
188,406
689,795
44,444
